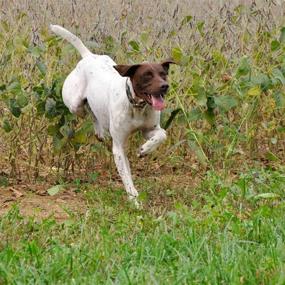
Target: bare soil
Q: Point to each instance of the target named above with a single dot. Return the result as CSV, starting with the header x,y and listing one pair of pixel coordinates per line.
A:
x,y
34,201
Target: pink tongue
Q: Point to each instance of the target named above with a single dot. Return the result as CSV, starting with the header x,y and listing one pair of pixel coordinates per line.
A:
x,y
157,103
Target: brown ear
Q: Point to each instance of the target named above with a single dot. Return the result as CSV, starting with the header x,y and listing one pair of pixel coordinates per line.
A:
x,y
165,64
126,69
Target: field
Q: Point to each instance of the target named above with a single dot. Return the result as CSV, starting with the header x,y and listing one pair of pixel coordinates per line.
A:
x,y
213,195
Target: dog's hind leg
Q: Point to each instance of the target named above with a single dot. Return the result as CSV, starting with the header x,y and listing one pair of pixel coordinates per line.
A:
x,y
73,92
99,132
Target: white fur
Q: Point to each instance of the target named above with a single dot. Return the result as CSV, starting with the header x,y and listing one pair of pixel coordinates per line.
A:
x,y
95,79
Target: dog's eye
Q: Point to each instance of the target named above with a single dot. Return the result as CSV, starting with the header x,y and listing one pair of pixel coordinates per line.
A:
x,y
162,74
148,76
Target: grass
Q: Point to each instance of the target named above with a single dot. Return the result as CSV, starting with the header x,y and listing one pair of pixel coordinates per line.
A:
x,y
231,233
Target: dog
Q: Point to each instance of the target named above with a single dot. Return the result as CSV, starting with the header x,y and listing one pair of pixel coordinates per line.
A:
x,y
122,99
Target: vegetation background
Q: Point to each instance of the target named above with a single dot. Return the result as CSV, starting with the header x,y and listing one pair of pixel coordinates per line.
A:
x,y
213,194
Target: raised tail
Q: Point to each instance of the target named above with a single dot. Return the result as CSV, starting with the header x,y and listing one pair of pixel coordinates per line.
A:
x,y
74,40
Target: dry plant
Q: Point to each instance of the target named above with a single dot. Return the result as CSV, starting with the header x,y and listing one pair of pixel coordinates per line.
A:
x,y
226,103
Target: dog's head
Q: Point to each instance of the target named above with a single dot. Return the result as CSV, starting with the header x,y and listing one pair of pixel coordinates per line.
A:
x,y
149,81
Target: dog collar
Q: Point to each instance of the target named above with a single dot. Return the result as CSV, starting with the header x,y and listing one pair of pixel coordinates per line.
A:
x,y
135,104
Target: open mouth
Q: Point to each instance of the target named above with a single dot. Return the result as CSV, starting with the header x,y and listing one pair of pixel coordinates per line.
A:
x,y
156,101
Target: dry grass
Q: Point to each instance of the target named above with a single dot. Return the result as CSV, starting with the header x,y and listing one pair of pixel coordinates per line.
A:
x,y
97,19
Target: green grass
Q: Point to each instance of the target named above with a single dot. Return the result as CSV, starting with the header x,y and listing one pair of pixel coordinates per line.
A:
x,y
218,233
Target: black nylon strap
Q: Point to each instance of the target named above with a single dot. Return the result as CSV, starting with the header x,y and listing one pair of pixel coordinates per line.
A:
x,y
131,98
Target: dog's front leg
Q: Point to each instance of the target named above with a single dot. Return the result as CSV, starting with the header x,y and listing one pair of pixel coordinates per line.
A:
x,y
154,138
122,164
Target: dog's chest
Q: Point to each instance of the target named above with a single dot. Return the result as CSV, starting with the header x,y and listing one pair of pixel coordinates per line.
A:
x,y
144,118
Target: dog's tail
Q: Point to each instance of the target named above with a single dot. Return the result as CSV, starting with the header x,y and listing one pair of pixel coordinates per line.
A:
x,y
74,40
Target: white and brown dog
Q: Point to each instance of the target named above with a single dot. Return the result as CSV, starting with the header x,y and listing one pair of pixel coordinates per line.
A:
x,y
122,99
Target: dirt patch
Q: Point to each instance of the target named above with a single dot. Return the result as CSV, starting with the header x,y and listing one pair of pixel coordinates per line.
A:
x,y
34,201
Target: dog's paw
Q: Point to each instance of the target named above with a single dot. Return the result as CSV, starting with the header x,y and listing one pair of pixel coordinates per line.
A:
x,y
137,204
141,155
142,152
99,138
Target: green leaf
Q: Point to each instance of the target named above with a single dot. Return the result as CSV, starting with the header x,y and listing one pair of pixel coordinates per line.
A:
x,y
200,27
42,67
66,131
40,108
177,54
39,90
210,117
109,43
50,108
134,45
22,100
201,97
278,76
35,51
14,108
55,189
18,43
198,152
282,36
210,114
254,91
280,129
244,67
218,57
2,87
195,114
88,126
275,45
279,98
59,143
262,80
144,37
80,137
14,87
7,126
186,20
225,102
192,142
53,130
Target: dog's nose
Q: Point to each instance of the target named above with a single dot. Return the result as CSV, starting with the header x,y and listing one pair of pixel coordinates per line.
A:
x,y
164,87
